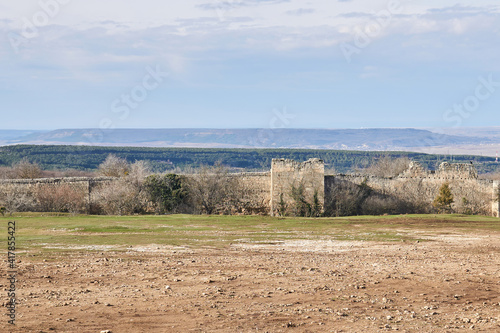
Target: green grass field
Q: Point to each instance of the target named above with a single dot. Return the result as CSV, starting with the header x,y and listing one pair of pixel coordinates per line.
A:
x,y
37,232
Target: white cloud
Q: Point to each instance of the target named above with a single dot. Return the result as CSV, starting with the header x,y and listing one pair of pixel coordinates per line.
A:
x,y
301,11
103,39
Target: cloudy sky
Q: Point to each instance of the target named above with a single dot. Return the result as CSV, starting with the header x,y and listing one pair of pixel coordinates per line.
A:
x,y
249,63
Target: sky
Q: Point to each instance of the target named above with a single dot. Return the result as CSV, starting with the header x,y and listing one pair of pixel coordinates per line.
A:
x,y
249,63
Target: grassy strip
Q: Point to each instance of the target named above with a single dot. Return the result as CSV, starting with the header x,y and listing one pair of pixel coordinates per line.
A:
x,y
44,231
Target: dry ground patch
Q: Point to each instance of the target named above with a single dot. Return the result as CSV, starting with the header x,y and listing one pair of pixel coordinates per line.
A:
x,y
255,274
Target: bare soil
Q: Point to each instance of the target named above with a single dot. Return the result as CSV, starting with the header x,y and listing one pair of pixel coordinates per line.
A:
x,y
446,284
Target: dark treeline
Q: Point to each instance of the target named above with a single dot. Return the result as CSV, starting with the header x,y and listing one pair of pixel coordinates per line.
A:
x,y
55,157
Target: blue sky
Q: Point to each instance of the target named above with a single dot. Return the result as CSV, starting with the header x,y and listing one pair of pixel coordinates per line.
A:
x,y
249,64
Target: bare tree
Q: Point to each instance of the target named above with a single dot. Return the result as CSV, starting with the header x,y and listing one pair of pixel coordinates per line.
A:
x,y
125,195
214,190
387,167
138,171
114,166
24,169
7,173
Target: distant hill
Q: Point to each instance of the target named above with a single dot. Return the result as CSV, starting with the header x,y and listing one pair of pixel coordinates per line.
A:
x,y
9,135
343,139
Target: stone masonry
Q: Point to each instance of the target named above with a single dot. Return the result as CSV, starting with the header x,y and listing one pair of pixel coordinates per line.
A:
x,y
286,174
265,191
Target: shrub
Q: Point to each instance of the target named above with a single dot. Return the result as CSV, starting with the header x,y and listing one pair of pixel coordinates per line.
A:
x,y
344,198
124,195
118,197
413,194
60,198
300,206
166,192
282,206
381,204
444,199
17,200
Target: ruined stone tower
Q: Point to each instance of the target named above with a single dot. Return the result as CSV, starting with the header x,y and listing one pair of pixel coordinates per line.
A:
x,y
286,174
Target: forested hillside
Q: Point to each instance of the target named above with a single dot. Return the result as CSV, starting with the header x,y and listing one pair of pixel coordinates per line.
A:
x,y
163,159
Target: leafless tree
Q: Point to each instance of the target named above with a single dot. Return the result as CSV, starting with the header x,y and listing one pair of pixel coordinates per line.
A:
x,y
213,190
387,167
24,169
126,195
138,171
114,166
414,195
7,173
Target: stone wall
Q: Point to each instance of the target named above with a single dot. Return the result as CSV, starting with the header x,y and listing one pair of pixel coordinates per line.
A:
x,y
255,188
286,174
264,192
23,191
422,186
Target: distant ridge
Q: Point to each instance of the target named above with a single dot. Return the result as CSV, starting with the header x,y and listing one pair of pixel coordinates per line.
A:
x,y
14,134
479,141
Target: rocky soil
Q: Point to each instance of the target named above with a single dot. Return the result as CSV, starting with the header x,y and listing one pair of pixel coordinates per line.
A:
x,y
446,284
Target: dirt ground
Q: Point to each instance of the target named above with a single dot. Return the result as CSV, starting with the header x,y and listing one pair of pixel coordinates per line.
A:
x,y
447,284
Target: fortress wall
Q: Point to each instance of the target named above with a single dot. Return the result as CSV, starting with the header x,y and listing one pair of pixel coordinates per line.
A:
x,y
261,192
286,174
29,185
256,191
25,190
495,199
468,191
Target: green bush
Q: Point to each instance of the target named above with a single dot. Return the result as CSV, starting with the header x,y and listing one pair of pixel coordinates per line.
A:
x,y
444,199
166,192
